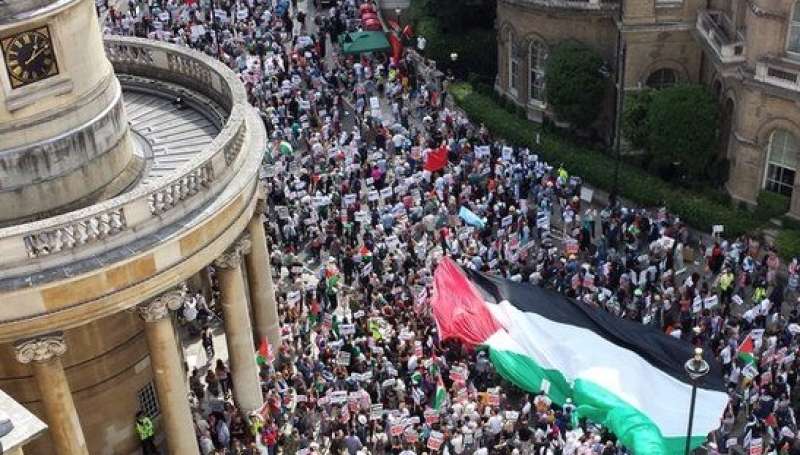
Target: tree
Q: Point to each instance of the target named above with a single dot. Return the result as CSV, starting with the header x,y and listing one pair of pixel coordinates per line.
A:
x,y
683,125
576,83
634,118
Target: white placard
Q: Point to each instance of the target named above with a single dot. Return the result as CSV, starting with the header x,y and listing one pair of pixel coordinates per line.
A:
x,y
587,194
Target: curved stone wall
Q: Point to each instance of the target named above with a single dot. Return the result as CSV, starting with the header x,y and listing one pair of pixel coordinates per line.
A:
x,y
65,138
73,268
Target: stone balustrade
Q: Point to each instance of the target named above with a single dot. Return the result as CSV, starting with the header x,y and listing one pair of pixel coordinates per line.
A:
x,y
578,5
77,235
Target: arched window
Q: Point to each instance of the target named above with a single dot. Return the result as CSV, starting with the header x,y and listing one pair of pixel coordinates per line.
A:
x,y
781,162
662,78
513,66
537,56
793,44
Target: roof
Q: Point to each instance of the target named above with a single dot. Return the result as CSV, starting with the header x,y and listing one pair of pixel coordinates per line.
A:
x,y
362,42
26,425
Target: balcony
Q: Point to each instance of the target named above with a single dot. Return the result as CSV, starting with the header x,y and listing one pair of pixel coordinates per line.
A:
x,y
718,31
577,5
779,72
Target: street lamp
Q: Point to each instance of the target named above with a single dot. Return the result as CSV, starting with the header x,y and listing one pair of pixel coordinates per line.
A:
x,y
397,12
454,57
696,368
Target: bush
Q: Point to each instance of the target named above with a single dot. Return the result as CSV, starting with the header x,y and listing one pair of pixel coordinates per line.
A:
x,y
682,124
634,116
597,169
771,205
575,83
445,33
788,243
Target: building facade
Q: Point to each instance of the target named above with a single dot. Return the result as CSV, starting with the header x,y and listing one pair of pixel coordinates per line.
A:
x,y
124,198
746,51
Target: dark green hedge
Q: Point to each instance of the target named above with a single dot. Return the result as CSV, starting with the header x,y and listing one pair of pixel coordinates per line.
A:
x,y
700,210
788,243
771,205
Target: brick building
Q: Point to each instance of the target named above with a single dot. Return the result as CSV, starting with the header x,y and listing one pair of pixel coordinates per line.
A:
x,y
746,51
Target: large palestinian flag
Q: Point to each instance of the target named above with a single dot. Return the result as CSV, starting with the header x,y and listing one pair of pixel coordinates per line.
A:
x,y
620,374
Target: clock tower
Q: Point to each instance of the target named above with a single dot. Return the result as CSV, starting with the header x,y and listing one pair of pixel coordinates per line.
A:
x,y
64,137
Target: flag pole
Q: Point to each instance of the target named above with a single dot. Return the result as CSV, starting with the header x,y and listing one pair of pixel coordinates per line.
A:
x,y
696,368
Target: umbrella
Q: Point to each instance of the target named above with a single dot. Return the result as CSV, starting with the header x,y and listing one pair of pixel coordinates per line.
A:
x,y
361,42
285,148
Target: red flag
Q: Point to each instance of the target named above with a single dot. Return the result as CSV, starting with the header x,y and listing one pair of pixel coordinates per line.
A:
x,y
264,352
437,159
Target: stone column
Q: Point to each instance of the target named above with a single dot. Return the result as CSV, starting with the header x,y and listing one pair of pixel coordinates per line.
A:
x,y
262,290
238,329
44,355
165,361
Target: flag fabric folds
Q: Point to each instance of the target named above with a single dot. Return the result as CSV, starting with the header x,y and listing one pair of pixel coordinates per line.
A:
x,y
745,351
471,218
620,374
264,354
437,159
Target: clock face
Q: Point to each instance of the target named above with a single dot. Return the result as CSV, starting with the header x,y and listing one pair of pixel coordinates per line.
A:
x,y
29,57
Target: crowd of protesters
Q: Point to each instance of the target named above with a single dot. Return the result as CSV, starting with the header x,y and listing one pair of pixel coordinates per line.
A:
x,y
370,178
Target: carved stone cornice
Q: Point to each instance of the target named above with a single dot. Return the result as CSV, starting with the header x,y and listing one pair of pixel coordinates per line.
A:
x,y
232,257
760,11
159,307
41,348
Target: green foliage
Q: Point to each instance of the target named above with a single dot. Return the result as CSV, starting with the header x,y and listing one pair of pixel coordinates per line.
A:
x,y
466,28
771,205
788,243
634,117
575,83
682,124
697,209
460,16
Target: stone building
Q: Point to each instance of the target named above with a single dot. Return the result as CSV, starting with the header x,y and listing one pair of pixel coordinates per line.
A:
x,y
746,51
128,168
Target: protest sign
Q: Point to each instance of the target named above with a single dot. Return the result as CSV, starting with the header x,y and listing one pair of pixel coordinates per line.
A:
x,y
436,439
343,358
431,416
587,194
396,429
347,329
376,411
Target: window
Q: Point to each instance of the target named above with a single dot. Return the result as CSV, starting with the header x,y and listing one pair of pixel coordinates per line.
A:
x,y
148,403
781,162
793,44
513,75
662,78
537,56
513,66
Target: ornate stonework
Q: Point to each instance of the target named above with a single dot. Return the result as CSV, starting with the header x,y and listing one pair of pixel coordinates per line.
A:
x,y
232,258
160,306
40,349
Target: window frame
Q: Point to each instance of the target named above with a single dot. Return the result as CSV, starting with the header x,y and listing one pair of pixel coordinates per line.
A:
x,y
660,71
775,185
792,23
537,49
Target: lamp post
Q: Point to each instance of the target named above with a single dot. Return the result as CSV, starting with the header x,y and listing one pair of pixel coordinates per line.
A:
x,y
454,56
397,12
696,368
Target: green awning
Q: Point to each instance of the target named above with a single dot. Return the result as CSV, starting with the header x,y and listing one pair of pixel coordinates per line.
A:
x,y
361,42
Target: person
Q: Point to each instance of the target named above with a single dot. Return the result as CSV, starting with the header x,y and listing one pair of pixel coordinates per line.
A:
x,y
146,433
207,340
